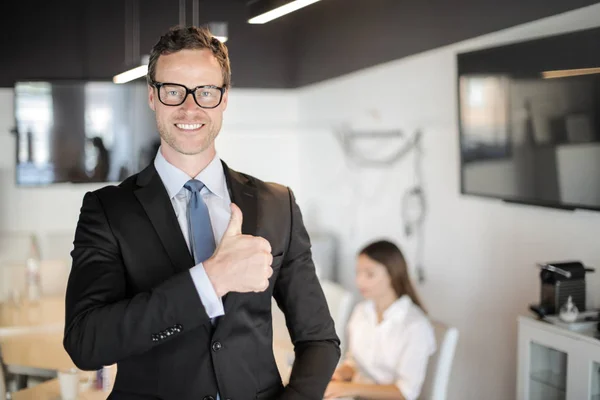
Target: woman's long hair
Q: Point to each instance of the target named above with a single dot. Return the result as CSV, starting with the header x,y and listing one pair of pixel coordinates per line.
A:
x,y
391,257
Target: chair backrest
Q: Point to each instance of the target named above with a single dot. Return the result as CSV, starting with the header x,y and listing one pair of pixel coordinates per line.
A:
x,y
439,367
57,245
339,301
54,275
15,246
3,391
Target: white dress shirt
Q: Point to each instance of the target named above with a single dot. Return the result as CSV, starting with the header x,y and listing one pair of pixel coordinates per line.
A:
x,y
216,196
393,351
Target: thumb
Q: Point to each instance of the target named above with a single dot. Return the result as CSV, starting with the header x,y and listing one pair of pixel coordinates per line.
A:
x,y
235,223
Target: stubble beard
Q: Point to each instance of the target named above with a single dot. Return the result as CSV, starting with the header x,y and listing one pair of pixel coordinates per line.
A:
x,y
171,140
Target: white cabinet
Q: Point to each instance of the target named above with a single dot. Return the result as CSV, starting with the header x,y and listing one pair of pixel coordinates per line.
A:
x,y
555,363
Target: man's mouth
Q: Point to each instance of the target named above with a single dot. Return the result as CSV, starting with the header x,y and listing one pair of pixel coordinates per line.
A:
x,y
189,127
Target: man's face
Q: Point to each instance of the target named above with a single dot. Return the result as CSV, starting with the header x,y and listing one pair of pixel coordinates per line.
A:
x,y
188,129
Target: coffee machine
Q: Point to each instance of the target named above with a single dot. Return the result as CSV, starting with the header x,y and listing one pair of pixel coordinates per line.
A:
x,y
559,280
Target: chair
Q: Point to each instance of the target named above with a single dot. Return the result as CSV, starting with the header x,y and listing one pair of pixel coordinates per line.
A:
x,y
3,380
57,245
15,246
340,303
435,386
54,275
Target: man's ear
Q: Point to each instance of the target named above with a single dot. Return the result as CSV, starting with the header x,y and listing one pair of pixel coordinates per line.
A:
x,y
225,99
151,98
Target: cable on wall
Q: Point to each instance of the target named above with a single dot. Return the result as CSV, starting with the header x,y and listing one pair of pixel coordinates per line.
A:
x,y
413,205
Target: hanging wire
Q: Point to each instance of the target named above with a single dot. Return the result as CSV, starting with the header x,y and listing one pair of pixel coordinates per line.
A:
x,y
414,197
195,13
182,19
347,139
128,38
135,29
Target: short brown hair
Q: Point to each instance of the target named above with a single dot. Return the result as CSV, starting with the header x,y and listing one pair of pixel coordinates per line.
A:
x,y
178,38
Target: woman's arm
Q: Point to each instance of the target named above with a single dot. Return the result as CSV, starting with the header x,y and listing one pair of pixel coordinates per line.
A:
x,y
344,372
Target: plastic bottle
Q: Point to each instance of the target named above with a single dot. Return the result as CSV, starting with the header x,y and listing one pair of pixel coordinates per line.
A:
x,y
32,278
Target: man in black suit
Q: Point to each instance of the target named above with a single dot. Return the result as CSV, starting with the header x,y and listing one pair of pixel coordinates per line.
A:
x,y
174,269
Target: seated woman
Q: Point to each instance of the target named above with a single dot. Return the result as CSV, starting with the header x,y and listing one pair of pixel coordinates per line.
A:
x,y
389,336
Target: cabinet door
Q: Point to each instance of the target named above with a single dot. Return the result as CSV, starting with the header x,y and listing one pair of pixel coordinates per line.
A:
x,y
595,381
591,370
546,365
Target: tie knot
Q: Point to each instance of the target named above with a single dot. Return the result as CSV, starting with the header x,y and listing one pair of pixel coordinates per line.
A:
x,y
194,185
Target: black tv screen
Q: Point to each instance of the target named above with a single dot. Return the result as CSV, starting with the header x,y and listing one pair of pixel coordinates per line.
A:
x,y
529,121
76,131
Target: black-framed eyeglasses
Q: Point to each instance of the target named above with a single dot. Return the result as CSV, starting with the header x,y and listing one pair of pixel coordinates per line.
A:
x,y
175,94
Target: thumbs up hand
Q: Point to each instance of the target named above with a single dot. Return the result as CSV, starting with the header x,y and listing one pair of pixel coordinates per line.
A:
x,y
241,263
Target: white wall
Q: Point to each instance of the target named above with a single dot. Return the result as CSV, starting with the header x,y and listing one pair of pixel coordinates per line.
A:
x,y
480,254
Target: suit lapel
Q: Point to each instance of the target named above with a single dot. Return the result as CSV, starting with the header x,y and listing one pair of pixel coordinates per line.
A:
x,y
155,200
243,193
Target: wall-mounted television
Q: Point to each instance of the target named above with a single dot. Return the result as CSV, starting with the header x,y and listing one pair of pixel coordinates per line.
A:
x,y
529,121
81,131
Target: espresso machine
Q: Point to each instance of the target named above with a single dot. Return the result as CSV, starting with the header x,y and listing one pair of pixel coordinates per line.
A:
x,y
559,281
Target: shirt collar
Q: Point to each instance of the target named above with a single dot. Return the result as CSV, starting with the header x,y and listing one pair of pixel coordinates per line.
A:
x,y
173,178
397,310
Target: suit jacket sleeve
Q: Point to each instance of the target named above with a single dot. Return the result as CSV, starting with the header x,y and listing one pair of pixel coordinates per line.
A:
x,y
103,324
299,294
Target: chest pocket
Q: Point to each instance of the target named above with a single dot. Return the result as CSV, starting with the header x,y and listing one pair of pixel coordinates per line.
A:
x,y
277,261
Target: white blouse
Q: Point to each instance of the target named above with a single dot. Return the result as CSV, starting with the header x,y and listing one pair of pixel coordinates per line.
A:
x,y
395,351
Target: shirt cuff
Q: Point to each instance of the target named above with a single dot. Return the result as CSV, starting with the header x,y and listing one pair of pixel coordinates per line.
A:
x,y
213,304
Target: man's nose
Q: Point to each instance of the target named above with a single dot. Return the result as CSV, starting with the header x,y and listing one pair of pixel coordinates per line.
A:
x,y
190,103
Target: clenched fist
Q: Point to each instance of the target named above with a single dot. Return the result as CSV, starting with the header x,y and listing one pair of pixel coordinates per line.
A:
x,y
241,263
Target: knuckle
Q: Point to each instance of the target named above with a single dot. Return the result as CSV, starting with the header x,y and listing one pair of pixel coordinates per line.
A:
x,y
264,243
268,245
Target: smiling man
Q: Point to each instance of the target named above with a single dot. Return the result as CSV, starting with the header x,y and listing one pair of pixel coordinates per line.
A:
x,y
174,269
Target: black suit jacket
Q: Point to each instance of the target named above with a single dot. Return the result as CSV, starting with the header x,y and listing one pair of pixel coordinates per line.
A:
x,y
131,300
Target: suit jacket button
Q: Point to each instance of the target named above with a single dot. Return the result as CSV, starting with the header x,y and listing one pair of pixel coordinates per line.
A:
x,y
216,346
208,398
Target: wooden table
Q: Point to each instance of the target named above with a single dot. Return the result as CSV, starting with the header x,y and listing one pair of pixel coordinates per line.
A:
x,y
50,390
36,350
46,314
31,337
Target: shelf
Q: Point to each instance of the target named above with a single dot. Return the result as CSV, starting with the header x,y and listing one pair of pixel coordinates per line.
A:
x,y
549,379
595,381
541,391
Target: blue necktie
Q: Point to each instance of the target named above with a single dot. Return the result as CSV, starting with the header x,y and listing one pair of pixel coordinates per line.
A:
x,y
202,240
200,229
